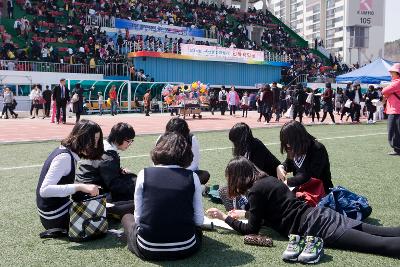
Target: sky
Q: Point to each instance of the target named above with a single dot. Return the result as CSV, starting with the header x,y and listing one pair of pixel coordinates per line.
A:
x,y
392,25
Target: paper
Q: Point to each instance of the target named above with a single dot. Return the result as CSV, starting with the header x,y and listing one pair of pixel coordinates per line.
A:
x,y
214,223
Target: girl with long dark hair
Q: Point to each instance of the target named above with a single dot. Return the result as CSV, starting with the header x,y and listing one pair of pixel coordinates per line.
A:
x,y
56,182
244,144
306,157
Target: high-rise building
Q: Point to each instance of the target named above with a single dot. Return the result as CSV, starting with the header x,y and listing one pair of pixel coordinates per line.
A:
x,y
351,29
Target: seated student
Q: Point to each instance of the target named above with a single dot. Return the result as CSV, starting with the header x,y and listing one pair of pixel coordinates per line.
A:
x,y
56,182
306,157
244,144
168,204
180,126
107,172
272,203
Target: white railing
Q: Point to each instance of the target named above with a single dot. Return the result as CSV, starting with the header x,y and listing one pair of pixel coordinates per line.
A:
x,y
100,20
302,78
109,69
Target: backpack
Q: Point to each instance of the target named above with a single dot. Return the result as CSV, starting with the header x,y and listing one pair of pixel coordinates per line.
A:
x,y
223,97
347,203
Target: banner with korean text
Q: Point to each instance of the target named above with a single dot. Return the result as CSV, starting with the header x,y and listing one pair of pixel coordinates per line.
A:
x,y
222,53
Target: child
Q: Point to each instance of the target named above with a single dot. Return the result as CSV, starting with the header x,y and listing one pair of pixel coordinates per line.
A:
x,y
245,103
54,111
172,196
56,181
100,101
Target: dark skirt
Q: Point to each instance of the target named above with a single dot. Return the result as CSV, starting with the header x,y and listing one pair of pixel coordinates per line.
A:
x,y
326,223
61,222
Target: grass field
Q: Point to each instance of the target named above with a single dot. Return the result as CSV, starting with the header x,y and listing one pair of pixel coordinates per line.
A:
x,y
358,162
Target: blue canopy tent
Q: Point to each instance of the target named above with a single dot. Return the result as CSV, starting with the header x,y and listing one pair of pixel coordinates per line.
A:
x,y
375,73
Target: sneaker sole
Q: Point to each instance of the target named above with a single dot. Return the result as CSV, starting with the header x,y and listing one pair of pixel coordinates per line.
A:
x,y
313,261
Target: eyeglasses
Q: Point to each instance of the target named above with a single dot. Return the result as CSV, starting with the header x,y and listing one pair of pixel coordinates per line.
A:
x,y
130,141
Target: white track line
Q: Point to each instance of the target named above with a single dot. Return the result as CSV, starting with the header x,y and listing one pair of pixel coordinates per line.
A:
x,y
203,150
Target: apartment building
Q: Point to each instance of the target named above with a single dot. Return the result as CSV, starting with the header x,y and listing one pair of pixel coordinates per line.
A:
x,y
350,29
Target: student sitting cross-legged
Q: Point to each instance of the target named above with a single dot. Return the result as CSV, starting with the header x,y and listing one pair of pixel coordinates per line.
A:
x,y
180,126
56,182
168,204
107,172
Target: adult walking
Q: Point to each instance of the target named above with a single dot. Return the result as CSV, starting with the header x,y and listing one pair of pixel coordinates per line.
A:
x,y
233,100
61,97
222,99
328,104
37,101
77,101
276,103
357,101
8,98
146,101
392,96
113,99
369,96
299,102
213,101
47,97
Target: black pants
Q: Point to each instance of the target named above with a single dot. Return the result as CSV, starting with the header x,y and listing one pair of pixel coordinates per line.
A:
x,y
131,231
78,116
298,111
32,107
369,238
371,111
47,108
394,131
232,108
330,114
223,106
313,113
277,112
245,109
357,110
349,111
61,106
213,107
147,110
7,107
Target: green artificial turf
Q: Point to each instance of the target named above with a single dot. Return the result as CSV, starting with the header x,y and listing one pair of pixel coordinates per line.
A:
x,y
359,163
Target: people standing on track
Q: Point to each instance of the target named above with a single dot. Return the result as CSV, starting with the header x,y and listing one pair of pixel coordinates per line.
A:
x,y
222,99
61,97
328,105
47,97
357,101
77,106
276,102
37,102
113,99
371,95
392,96
147,102
8,99
299,101
245,103
213,100
315,104
233,100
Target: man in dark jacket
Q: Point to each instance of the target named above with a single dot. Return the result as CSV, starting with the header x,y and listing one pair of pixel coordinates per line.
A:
x,y
107,172
61,96
276,100
299,101
47,96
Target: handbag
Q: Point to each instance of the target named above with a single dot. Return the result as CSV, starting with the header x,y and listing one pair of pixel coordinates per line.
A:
x,y
88,219
311,192
75,98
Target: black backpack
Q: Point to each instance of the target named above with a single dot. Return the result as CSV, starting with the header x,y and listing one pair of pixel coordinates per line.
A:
x,y
223,97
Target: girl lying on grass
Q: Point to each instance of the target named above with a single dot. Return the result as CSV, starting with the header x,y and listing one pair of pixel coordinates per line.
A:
x,y
273,204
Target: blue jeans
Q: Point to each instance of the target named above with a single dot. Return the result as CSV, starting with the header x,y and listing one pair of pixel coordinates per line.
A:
x,y
113,107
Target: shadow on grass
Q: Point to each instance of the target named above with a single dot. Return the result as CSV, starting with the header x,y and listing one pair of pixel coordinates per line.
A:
x,y
373,221
108,242
213,253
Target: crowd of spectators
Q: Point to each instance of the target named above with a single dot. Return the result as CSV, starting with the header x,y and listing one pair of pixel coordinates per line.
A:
x,y
86,44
